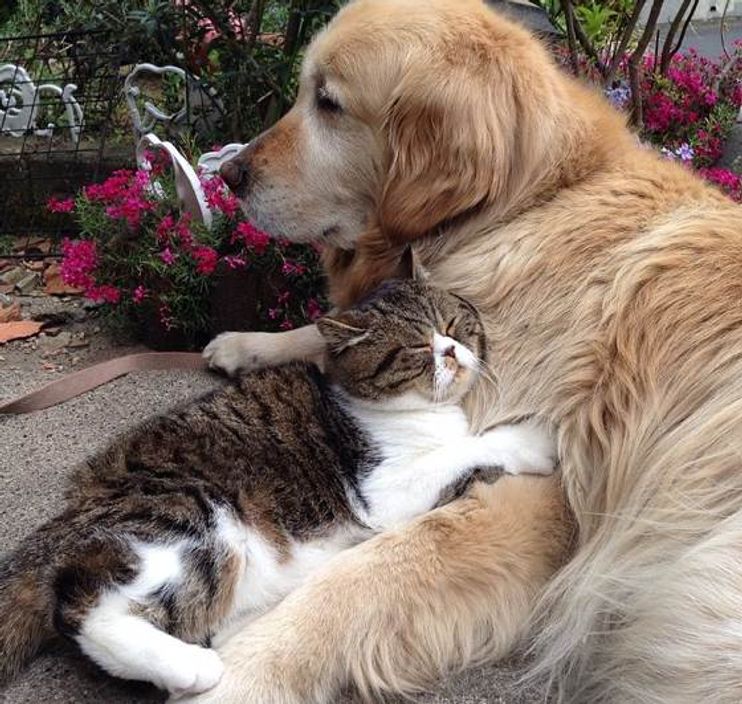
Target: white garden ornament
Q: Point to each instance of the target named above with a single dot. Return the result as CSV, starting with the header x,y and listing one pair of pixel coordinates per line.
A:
x,y
20,99
187,184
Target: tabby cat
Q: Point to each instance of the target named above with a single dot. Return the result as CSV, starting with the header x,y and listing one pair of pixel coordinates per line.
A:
x,y
218,509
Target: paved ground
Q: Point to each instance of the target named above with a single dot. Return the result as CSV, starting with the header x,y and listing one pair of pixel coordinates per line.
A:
x,y
38,451
704,37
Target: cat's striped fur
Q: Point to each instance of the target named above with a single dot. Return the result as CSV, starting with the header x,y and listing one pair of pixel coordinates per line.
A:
x,y
219,508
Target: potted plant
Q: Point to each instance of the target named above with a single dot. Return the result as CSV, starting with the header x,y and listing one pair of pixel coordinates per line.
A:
x,y
171,278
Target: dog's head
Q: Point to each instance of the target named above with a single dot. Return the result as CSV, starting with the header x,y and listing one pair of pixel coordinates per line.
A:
x,y
410,113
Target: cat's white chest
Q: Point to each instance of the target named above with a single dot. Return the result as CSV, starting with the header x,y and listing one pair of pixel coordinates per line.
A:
x,y
415,449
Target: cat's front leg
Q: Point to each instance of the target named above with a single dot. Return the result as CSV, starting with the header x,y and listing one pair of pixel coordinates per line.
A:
x,y
525,448
232,352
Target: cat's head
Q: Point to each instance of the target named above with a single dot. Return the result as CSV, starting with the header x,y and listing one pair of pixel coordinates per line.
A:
x,y
406,338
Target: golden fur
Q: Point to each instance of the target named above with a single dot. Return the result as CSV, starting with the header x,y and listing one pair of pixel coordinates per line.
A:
x,y
611,285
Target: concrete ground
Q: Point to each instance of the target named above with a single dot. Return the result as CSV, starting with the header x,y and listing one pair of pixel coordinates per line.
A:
x,y
37,453
705,37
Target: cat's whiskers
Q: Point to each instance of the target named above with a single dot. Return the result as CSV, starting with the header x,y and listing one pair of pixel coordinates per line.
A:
x,y
486,372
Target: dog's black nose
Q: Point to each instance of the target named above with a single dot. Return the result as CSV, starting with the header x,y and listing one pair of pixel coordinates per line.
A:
x,y
235,176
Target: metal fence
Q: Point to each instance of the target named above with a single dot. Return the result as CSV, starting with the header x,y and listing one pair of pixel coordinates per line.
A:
x,y
62,124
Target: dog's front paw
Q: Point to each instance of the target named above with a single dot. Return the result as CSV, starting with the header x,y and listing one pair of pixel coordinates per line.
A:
x,y
232,352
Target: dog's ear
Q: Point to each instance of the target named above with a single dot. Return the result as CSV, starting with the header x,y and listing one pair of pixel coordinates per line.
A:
x,y
450,150
464,130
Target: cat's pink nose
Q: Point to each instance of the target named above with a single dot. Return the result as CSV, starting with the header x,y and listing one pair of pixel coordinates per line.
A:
x,y
450,351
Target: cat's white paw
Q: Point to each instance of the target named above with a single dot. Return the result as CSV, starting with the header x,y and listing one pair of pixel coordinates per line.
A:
x,y
196,670
232,352
526,448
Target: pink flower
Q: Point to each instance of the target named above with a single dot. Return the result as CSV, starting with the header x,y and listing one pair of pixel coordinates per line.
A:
x,y
206,259
104,293
166,316
130,209
235,262
79,260
253,238
167,256
286,325
183,231
55,205
314,309
113,188
219,197
290,268
139,294
728,181
124,194
273,313
164,228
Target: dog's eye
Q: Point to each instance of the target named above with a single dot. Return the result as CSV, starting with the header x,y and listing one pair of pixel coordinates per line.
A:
x,y
326,103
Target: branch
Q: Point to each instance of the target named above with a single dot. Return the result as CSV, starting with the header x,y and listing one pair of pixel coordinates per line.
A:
x,y
625,39
253,21
570,22
636,57
666,58
721,28
670,36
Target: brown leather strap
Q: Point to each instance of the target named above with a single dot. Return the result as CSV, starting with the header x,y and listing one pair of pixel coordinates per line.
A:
x,y
89,378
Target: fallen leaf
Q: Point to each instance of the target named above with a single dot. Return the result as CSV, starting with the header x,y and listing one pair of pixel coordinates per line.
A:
x,y
10,313
53,284
34,264
38,244
18,330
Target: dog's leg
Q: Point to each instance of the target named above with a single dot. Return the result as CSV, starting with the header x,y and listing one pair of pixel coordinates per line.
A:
x,y
397,612
244,351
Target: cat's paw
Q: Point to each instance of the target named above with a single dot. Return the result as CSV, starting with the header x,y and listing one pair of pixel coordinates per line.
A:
x,y
232,352
196,670
526,448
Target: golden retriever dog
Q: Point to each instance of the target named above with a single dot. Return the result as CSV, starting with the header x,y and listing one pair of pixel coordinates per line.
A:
x,y
611,284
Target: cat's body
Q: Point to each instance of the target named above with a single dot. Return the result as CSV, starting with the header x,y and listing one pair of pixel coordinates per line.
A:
x,y
218,509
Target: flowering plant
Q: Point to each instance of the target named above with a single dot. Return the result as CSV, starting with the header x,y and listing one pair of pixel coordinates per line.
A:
x,y
146,259
689,109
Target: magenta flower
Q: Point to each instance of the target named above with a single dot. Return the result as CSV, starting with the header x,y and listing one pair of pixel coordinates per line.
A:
x,y
206,259
254,239
219,197
167,256
235,262
183,232
113,188
314,309
286,325
55,205
104,293
728,181
79,260
164,228
139,294
290,268
166,316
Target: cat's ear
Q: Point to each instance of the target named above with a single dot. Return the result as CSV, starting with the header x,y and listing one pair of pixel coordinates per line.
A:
x,y
340,333
417,271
